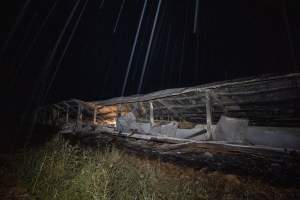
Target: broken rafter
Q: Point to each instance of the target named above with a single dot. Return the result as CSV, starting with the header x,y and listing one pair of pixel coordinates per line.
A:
x,y
208,115
261,100
176,114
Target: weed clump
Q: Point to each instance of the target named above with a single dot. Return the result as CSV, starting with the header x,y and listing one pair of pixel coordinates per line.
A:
x,y
59,170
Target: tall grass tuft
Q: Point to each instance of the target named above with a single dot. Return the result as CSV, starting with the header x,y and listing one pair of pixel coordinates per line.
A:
x,y
59,170
63,171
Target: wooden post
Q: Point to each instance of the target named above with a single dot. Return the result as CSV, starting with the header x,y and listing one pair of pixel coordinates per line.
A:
x,y
143,110
151,114
95,115
119,109
79,116
208,115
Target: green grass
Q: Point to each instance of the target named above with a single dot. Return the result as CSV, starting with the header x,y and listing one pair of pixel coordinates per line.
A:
x,y
59,170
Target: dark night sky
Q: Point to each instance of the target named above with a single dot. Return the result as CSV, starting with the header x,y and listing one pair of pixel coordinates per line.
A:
x,y
235,39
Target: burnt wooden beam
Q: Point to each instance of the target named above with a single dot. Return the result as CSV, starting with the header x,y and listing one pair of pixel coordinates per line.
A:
x,y
233,159
260,99
208,115
95,116
184,107
151,114
143,109
79,114
196,134
257,91
190,95
171,109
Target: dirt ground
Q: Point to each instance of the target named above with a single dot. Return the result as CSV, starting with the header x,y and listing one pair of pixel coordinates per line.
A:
x,y
10,186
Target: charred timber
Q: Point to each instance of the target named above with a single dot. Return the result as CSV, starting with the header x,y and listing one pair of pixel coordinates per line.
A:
x,y
261,163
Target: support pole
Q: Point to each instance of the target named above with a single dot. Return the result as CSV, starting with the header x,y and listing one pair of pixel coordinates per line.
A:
x,y
79,115
151,114
208,115
95,115
119,109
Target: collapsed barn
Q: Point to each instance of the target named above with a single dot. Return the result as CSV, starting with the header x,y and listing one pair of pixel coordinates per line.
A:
x,y
249,126
258,111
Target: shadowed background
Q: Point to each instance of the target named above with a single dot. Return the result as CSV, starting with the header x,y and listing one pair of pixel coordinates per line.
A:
x,y
234,39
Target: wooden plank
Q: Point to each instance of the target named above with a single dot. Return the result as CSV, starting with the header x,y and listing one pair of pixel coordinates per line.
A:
x,y
79,114
151,114
257,92
208,115
211,155
241,83
95,116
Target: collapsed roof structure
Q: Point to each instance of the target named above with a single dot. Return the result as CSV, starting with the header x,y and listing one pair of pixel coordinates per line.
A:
x,y
252,107
248,126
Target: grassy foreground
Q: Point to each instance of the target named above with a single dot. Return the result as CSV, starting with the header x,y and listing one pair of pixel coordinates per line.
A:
x,y
59,170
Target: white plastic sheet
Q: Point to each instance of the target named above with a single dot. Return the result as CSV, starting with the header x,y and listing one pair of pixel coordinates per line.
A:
x,y
231,130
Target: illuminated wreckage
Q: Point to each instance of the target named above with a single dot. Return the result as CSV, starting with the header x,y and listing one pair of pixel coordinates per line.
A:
x,y
253,116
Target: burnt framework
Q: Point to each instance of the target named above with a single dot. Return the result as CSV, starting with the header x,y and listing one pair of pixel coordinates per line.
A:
x,y
265,101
